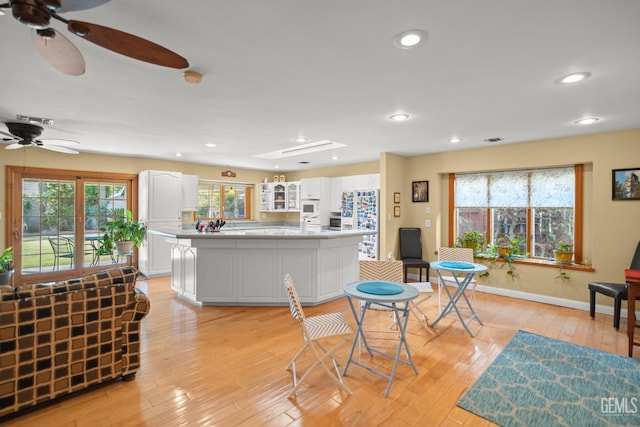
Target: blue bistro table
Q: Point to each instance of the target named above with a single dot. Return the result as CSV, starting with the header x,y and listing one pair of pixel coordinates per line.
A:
x,y
462,273
389,295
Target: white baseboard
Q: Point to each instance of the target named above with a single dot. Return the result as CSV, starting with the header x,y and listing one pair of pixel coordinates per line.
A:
x,y
545,299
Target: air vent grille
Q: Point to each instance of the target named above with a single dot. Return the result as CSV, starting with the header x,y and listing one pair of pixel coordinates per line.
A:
x,y
494,139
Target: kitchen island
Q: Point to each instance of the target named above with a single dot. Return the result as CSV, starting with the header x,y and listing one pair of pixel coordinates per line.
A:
x,y
247,266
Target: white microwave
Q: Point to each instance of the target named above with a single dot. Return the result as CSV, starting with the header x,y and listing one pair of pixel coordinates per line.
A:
x,y
309,208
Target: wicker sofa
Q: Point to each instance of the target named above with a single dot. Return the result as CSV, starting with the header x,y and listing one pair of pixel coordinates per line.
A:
x,y
62,337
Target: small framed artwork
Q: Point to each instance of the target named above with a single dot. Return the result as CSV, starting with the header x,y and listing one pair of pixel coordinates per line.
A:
x,y
396,211
626,184
420,191
396,197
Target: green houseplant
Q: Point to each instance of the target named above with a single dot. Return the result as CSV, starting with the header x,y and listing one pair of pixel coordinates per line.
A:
x,y
121,233
470,239
6,266
563,253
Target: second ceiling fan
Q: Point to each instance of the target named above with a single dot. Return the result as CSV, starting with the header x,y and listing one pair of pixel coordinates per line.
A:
x,y
62,54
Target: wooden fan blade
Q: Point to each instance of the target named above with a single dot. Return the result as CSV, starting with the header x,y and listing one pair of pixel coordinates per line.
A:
x,y
58,51
72,5
58,149
127,44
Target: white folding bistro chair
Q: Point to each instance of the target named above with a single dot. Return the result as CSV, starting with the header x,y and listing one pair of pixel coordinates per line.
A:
x,y
393,271
314,329
454,254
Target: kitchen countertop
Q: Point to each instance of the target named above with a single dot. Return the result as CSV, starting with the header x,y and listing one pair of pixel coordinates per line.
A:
x,y
260,233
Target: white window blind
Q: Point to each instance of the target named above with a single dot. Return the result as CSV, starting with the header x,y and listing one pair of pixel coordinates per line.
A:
x,y
554,187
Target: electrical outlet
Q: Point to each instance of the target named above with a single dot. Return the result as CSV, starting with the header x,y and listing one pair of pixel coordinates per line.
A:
x,y
427,210
427,223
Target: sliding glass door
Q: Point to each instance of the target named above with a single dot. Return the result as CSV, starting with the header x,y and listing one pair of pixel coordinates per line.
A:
x,y
55,218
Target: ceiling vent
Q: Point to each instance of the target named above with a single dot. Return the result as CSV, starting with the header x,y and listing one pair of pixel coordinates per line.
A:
x,y
494,139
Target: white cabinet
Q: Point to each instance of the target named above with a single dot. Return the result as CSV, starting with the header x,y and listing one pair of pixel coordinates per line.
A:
x,y
266,197
250,271
293,196
159,206
183,270
159,196
189,193
367,182
375,181
314,188
280,196
349,183
335,194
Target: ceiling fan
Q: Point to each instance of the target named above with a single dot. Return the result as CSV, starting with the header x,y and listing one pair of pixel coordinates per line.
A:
x,y
62,54
23,134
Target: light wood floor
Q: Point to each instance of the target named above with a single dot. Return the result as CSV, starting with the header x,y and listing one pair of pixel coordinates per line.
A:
x,y
225,366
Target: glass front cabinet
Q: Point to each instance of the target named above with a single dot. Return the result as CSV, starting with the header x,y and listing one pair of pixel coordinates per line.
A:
x,y
280,196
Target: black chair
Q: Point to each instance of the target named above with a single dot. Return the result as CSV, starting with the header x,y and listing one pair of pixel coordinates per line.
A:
x,y
617,291
62,247
411,251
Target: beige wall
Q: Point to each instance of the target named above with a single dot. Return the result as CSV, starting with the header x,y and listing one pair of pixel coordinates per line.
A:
x,y
33,157
611,228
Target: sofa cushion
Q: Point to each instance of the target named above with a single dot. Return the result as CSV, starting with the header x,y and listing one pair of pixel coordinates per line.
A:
x,y
113,276
7,293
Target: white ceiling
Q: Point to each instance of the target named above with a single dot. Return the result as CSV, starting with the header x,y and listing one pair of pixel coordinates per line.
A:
x,y
274,70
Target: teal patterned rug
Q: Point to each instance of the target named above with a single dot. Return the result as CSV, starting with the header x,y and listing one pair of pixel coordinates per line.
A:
x,y
539,381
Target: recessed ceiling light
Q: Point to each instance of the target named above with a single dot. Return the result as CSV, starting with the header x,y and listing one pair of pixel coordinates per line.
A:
x,y
210,144
400,117
455,140
277,166
409,39
335,157
178,154
573,78
301,139
587,121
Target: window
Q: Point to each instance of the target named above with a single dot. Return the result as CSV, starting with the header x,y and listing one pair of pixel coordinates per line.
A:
x,y
539,206
223,200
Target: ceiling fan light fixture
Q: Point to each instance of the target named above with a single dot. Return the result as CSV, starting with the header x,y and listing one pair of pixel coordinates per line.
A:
x,y
192,77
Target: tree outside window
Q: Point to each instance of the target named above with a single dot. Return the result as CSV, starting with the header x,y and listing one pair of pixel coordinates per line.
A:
x,y
223,201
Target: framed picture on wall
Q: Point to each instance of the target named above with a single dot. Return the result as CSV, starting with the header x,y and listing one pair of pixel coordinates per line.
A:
x,y
626,184
396,197
420,191
396,211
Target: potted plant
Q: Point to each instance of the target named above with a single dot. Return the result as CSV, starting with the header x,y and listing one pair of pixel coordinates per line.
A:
x,y
563,253
121,233
6,266
470,239
503,246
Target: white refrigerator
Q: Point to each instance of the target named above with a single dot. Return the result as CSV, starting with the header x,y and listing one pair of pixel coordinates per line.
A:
x,y
360,211
159,206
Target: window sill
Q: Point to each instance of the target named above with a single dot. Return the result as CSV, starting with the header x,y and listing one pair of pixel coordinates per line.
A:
x,y
540,262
